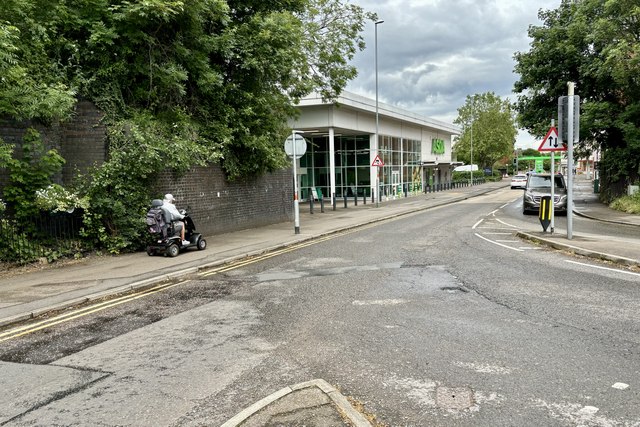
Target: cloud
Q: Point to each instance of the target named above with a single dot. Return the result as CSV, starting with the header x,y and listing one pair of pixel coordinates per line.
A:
x,y
433,53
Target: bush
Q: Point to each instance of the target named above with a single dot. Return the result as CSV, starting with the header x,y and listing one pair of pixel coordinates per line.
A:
x,y
33,172
628,204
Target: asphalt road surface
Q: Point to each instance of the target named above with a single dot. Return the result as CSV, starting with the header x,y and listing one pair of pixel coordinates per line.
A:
x,y
442,318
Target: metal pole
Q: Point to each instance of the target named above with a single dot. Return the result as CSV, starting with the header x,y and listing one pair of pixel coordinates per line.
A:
x,y
471,151
296,204
553,182
570,162
377,121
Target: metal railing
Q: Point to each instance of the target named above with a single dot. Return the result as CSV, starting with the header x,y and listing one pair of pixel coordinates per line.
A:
x,y
49,236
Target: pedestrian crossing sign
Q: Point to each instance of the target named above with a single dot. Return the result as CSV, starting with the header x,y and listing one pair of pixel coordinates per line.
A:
x,y
377,161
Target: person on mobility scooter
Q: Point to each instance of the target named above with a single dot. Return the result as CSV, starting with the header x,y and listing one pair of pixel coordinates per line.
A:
x,y
176,217
172,230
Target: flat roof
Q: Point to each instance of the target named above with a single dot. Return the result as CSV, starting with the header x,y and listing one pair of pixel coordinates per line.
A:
x,y
362,103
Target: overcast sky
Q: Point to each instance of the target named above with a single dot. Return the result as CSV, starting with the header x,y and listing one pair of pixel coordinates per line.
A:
x,y
433,53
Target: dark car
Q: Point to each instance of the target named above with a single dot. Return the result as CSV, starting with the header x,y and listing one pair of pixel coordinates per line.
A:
x,y
539,185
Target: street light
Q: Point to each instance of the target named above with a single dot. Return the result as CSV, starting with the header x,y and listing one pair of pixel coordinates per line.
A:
x,y
376,138
471,152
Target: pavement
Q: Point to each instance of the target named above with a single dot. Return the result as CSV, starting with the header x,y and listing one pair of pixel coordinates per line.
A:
x,y
29,293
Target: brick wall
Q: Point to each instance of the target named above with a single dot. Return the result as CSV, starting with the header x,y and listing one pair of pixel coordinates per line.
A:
x,y
81,141
216,205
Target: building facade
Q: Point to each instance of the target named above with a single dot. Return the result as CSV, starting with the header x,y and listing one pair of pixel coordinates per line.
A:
x,y
344,157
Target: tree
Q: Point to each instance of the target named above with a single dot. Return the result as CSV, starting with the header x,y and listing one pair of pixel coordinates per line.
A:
x,y
332,36
30,84
489,122
181,83
596,45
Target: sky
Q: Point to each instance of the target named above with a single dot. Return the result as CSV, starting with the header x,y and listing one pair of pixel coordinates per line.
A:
x,y
433,53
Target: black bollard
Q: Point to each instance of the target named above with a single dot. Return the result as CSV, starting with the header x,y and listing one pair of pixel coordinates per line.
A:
x,y
355,199
311,205
334,201
345,201
322,205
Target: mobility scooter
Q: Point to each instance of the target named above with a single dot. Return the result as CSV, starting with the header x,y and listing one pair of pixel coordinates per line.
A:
x,y
164,238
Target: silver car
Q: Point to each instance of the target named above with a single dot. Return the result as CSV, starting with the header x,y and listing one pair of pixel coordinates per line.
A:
x,y
539,185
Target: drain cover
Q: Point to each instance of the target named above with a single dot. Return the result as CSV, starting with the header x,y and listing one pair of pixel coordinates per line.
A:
x,y
456,398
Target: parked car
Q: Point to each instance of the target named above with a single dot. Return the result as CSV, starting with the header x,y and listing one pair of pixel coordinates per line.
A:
x,y
519,181
539,185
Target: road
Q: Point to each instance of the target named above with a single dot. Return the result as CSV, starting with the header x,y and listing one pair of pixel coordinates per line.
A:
x,y
440,318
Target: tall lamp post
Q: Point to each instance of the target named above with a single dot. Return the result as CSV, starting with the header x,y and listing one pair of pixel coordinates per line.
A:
x,y
471,152
376,137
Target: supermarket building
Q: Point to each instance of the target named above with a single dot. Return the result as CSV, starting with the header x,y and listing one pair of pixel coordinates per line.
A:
x,y
414,151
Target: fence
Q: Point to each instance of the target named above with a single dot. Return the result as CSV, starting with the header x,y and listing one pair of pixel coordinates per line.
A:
x,y
49,236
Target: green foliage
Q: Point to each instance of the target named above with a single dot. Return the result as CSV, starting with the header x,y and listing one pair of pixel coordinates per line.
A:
x,y
32,172
530,152
489,122
30,87
595,44
119,190
332,36
181,84
56,198
628,204
478,176
23,245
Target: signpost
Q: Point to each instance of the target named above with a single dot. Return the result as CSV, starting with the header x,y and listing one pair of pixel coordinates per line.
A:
x,y
295,146
379,163
569,123
551,143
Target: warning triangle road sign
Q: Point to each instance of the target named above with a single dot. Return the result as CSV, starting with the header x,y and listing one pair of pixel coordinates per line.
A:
x,y
550,142
377,161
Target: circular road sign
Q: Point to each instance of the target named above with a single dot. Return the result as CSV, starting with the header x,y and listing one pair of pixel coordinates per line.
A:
x,y
300,147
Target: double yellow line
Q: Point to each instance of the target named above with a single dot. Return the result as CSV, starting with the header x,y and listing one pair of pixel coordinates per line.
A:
x,y
75,314
94,308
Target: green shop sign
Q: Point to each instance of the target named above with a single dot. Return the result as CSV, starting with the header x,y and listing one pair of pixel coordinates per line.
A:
x,y
437,146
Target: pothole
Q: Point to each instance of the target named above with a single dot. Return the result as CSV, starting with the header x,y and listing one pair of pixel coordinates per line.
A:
x,y
454,398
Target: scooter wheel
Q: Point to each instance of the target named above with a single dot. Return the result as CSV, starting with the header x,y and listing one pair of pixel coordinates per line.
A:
x,y
173,250
202,244
150,251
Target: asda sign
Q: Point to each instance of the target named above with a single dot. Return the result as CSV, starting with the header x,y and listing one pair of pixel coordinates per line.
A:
x,y
437,146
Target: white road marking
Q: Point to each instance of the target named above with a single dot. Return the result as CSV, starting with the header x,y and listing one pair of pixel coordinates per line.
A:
x,y
494,227
620,386
477,224
506,223
485,368
499,244
380,302
603,268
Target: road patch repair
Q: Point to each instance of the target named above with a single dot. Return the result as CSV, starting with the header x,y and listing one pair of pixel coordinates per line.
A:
x,y
313,403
